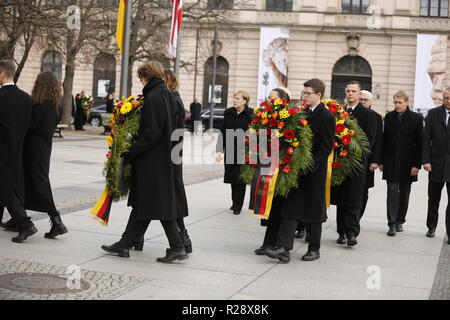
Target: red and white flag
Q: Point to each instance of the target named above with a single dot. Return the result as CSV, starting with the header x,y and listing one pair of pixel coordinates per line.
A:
x,y
177,21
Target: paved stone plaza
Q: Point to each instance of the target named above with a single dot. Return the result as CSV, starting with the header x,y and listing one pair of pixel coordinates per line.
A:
x,y
222,266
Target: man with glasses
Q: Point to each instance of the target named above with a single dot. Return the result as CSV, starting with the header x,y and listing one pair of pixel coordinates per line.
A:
x,y
348,196
366,101
436,160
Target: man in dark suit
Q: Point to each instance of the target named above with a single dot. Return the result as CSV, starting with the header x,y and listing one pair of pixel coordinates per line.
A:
x,y
15,115
402,158
195,109
436,160
307,203
375,157
348,196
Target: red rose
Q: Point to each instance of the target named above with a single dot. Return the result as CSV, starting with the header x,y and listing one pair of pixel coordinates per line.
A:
x,y
265,122
259,114
263,104
273,122
247,159
335,145
303,122
287,159
336,165
256,120
346,140
344,154
340,127
284,101
289,134
268,108
281,125
253,165
287,169
290,151
292,112
333,108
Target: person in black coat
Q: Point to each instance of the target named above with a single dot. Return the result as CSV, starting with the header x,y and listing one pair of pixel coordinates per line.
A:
x,y
79,113
110,102
38,148
436,160
402,158
306,203
348,196
376,152
181,203
15,115
152,192
234,119
195,108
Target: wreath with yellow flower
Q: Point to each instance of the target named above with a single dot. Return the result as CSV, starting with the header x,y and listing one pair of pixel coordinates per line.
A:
x,y
287,124
350,144
124,125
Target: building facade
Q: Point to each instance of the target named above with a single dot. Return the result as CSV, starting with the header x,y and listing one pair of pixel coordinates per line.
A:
x,y
372,41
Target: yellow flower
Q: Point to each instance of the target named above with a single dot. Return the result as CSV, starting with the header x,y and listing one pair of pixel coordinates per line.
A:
x,y
279,134
284,114
109,140
264,115
295,144
340,122
127,107
256,110
251,130
345,132
278,102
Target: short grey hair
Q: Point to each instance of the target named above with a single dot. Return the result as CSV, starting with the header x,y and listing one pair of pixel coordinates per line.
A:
x,y
368,93
448,89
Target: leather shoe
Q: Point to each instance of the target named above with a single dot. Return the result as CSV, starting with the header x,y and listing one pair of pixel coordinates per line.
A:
x,y
23,235
399,227
300,234
431,233
117,248
351,240
172,255
236,212
391,232
58,228
9,226
311,256
279,253
341,240
261,251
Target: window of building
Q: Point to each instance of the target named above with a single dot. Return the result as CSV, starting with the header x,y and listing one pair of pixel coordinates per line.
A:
x,y
279,5
350,68
434,8
221,90
52,61
220,4
355,6
104,77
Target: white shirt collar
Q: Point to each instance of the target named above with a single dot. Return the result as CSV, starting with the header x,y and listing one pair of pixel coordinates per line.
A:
x,y
9,84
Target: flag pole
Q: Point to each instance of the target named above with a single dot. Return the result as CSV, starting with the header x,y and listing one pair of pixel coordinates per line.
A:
x,y
177,60
126,50
214,75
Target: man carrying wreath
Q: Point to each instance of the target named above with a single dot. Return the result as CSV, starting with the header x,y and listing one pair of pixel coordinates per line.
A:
x,y
307,202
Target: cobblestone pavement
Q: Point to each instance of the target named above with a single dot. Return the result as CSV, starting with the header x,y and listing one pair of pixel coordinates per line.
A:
x,y
441,286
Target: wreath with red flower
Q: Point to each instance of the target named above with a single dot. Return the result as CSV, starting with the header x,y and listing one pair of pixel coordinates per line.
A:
x,y
350,145
288,125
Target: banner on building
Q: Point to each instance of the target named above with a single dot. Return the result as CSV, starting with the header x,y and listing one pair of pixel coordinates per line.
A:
x,y
431,67
273,60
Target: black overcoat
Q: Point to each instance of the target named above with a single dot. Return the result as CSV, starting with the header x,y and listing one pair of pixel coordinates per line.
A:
x,y
36,157
436,145
377,152
350,192
15,115
152,191
233,121
307,203
181,202
402,146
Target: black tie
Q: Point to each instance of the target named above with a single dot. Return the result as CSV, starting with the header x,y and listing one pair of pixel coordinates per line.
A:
x,y
308,112
350,111
399,116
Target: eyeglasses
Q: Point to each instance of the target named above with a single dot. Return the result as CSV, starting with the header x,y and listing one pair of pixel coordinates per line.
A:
x,y
446,98
364,100
307,94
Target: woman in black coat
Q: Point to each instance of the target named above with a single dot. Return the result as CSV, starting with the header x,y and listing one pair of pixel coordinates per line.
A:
x,y
152,192
181,202
38,148
238,117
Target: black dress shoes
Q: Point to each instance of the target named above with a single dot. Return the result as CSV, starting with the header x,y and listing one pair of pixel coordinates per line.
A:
x,y
261,251
23,235
9,226
311,256
351,240
172,255
119,249
341,240
58,228
236,212
300,234
279,253
399,227
431,233
392,231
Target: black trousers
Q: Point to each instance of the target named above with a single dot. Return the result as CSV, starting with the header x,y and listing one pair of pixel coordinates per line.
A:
x,y
238,195
300,226
18,213
364,202
2,210
315,231
434,198
136,229
397,202
347,219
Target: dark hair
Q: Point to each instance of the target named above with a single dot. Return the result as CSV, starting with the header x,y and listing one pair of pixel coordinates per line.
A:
x,y
8,67
317,85
171,80
282,94
46,89
151,70
354,82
